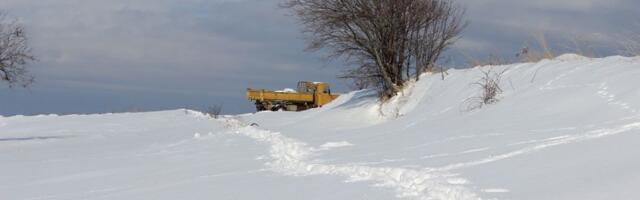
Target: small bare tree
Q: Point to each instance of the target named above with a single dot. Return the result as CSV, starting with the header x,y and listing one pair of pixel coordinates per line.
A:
x,y
15,53
214,111
385,39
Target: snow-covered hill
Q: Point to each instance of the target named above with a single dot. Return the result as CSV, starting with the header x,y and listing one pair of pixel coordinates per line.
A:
x,y
567,128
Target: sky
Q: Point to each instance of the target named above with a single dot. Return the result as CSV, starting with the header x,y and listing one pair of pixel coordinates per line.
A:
x,y
97,56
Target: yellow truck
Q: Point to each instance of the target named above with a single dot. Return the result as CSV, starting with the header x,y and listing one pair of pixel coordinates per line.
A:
x,y
309,95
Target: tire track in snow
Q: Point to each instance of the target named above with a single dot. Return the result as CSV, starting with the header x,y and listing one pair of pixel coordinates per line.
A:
x,y
291,157
590,135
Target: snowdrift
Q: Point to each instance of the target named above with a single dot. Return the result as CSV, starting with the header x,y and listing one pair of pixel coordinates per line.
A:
x,y
566,128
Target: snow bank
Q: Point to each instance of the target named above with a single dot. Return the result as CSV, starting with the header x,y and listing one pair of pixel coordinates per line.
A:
x,y
566,128
549,112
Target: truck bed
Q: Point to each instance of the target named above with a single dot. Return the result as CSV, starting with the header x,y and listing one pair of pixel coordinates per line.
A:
x,y
268,95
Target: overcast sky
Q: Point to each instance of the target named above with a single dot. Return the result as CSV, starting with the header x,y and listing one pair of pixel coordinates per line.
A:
x,y
97,56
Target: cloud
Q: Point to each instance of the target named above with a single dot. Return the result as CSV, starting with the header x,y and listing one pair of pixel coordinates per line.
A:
x,y
209,47
159,53
510,24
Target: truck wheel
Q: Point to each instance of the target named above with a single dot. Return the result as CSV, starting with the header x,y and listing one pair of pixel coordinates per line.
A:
x,y
260,106
292,108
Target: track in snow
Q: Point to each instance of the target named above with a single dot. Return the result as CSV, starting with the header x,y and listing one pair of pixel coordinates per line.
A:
x,y
291,157
551,142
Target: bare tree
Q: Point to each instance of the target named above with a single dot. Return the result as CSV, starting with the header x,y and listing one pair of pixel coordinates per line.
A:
x,y
15,53
389,40
361,78
214,111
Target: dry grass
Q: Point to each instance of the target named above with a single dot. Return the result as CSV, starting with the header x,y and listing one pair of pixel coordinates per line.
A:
x,y
489,84
544,46
580,45
534,55
526,54
491,60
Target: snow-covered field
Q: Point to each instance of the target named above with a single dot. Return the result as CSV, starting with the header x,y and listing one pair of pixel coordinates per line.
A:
x,y
567,128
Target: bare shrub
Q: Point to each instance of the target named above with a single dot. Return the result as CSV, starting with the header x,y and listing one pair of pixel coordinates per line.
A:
x,y
489,84
214,111
385,39
15,53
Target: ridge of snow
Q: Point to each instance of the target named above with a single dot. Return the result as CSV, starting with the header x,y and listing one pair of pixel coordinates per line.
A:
x,y
570,57
414,92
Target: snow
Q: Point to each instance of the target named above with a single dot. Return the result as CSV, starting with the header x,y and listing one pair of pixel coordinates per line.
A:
x,y
331,145
287,90
566,128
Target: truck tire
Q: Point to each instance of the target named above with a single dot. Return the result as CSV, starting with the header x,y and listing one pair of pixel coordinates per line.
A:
x,y
292,108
